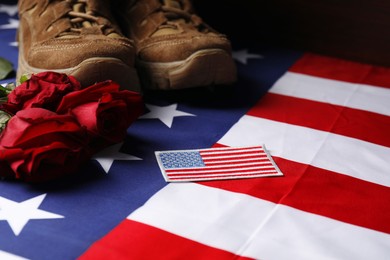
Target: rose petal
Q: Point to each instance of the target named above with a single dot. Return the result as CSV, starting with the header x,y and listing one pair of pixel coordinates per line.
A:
x,y
31,125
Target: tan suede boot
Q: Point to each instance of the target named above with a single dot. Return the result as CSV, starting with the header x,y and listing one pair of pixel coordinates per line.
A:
x,y
76,37
174,47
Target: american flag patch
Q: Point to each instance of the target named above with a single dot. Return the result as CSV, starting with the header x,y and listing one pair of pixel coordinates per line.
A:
x,y
216,164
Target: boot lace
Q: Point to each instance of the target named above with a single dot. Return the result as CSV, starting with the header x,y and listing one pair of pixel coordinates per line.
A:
x,y
80,18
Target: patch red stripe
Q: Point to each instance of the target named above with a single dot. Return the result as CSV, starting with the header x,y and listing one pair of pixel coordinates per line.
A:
x,y
321,192
207,155
222,162
236,150
359,124
338,69
234,159
223,173
224,176
225,167
135,240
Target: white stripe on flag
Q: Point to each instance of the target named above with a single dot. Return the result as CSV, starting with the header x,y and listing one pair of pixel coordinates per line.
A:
x,y
8,256
255,228
322,149
358,96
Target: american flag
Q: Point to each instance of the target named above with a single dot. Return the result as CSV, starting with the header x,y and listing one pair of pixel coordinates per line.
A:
x,y
326,123
217,163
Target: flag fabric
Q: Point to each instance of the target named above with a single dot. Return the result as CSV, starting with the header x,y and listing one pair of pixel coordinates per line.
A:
x,y
325,122
216,164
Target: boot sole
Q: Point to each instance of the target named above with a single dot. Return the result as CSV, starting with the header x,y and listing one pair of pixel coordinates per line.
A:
x,y
91,71
203,68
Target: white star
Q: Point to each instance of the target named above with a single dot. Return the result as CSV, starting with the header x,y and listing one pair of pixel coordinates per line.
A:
x,y
11,10
12,24
107,156
165,114
17,214
14,44
243,56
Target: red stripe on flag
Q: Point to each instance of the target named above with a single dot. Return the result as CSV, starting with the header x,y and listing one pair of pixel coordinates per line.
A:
x,y
134,240
321,192
355,123
338,69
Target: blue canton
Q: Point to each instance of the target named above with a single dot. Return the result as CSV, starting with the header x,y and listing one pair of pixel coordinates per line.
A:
x,y
172,160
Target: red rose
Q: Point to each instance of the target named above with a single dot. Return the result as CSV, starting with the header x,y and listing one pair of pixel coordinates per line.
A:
x,y
8,154
57,125
40,145
43,90
103,109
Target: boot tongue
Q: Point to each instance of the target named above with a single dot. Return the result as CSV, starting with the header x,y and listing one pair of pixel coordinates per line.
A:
x,y
170,27
102,8
173,3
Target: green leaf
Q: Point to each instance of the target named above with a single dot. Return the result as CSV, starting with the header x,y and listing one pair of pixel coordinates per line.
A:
x,y
3,100
5,68
23,78
4,91
4,118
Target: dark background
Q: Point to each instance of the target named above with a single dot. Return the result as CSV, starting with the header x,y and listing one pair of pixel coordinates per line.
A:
x,y
352,29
